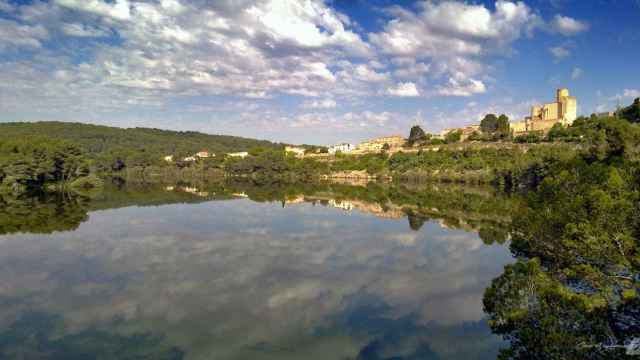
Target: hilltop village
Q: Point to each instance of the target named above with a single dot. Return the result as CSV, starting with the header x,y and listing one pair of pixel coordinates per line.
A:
x,y
562,112
542,118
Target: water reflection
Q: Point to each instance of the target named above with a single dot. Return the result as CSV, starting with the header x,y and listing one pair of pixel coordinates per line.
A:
x,y
323,271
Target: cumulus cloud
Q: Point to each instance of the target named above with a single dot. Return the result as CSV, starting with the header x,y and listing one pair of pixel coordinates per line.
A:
x,y
559,52
319,104
14,35
461,86
453,28
404,89
83,30
277,47
450,40
568,26
119,9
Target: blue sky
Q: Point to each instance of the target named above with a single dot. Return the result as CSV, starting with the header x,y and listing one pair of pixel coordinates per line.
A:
x,y
310,71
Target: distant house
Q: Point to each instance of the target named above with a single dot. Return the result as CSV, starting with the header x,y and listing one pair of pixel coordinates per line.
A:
x,y
465,132
168,158
204,154
296,150
376,145
343,148
189,159
344,205
241,154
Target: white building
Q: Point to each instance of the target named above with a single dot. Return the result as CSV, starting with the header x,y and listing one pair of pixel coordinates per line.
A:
x,y
242,154
297,151
344,205
204,154
168,158
343,148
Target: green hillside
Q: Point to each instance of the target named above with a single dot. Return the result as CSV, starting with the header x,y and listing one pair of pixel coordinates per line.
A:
x,y
100,139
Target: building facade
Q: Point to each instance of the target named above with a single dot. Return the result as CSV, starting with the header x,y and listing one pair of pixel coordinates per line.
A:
x,y
343,148
242,154
542,118
465,132
297,151
376,145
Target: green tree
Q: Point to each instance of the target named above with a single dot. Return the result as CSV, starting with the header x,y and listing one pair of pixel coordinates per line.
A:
x,y
557,132
503,131
453,136
489,124
416,135
631,113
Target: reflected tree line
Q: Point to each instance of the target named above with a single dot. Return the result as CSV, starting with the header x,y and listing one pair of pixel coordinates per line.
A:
x,y
473,209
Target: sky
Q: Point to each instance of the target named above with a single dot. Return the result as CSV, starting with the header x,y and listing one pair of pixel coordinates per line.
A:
x,y
311,71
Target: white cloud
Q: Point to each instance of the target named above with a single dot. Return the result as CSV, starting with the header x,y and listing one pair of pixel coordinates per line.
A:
x,y
412,70
404,89
83,30
120,9
453,28
559,52
14,35
568,26
305,23
631,93
449,41
461,86
364,73
576,73
319,104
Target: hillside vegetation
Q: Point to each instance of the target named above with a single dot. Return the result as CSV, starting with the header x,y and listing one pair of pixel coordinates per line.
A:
x,y
102,139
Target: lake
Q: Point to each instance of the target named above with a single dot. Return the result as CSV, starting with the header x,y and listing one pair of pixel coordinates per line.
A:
x,y
243,272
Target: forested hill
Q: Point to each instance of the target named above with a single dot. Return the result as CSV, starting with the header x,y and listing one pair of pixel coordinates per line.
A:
x,y
100,139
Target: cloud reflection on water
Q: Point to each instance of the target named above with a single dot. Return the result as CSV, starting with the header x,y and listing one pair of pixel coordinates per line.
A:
x,y
237,278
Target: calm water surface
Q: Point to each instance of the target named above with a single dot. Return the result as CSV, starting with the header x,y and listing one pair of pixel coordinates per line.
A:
x,y
305,277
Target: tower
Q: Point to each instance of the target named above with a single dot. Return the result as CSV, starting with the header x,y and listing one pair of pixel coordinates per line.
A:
x,y
561,94
567,106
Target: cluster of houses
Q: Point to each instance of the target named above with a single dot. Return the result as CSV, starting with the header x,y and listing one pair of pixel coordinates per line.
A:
x,y
204,154
543,117
370,146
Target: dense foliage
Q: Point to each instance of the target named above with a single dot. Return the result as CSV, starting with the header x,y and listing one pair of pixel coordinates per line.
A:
x,y
268,165
574,293
494,128
36,162
114,149
632,112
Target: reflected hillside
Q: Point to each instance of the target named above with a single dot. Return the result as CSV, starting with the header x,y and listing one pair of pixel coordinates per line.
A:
x,y
469,208
42,213
457,207
246,279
